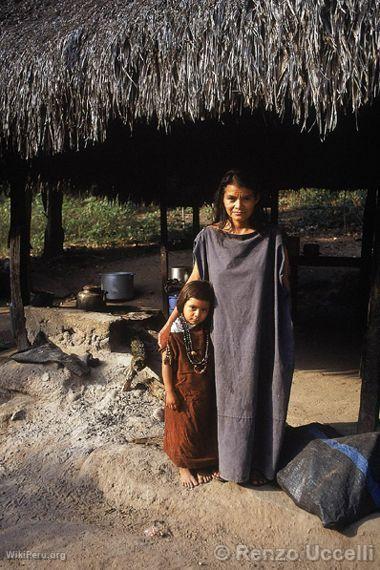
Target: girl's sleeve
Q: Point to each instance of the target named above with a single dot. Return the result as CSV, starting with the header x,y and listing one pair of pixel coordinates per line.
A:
x,y
200,254
171,351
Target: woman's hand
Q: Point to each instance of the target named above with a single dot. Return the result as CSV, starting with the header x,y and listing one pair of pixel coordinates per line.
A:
x,y
172,400
163,335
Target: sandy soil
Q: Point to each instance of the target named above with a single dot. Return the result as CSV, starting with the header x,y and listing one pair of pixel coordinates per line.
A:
x,y
74,480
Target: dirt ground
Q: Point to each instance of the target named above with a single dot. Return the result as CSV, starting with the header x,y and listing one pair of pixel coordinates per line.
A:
x,y
76,481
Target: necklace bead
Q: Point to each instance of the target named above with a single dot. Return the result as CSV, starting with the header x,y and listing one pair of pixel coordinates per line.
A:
x,y
199,365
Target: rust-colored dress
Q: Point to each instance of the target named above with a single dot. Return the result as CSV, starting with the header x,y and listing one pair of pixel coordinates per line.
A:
x,y
190,438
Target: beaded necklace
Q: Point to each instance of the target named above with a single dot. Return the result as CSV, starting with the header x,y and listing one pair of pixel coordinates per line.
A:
x,y
199,365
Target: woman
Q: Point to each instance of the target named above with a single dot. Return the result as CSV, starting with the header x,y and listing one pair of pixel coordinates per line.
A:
x,y
246,262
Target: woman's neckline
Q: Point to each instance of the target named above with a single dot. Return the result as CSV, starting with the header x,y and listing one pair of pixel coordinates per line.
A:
x,y
249,234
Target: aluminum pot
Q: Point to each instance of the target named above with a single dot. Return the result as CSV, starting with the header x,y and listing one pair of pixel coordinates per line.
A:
x,y
181,273
117,286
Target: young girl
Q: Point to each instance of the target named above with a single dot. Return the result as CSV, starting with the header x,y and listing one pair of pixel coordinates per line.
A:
x,y
187,370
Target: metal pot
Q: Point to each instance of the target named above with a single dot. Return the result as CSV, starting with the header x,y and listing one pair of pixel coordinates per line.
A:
x,y
91,298
181,273
117,286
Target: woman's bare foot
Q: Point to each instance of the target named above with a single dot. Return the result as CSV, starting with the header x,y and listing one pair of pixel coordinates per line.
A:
x,y
257,478
187,478
216,476
204,477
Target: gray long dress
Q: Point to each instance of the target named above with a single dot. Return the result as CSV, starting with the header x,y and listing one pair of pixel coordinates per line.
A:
x,y
253,342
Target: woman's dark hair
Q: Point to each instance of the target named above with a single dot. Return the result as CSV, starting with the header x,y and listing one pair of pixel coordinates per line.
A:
x,y
201,290
243,180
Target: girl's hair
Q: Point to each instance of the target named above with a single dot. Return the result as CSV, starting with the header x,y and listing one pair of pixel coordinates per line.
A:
x,y
243,180
201,290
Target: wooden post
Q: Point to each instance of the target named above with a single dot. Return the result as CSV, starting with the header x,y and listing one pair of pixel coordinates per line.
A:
x,y
20,224
274,207
196,220
164,256
293,246
19,244
368,229
370,373
52,199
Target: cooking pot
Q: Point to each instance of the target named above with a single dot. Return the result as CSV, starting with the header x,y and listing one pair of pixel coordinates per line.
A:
x,y
181,273
91,298
117,286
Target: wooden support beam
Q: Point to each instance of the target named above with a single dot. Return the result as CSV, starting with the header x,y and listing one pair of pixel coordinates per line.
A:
x,y
52,199
274,207
370,371
368,233
164,256
293,246
19,246
20,198
196,220
17,307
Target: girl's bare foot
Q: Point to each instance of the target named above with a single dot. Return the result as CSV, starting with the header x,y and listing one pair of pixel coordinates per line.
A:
x,y
187,478
257,478
204,477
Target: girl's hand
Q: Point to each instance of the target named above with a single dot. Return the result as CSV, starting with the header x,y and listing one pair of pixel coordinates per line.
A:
x,y
163,336
172,401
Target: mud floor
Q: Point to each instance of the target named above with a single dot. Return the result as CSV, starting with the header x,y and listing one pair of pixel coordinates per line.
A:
x,y
83,478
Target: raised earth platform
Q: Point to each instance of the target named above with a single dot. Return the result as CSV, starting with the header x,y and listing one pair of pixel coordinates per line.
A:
x,y
76,330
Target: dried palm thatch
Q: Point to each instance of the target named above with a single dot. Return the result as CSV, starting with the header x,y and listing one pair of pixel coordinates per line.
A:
x,y
68,68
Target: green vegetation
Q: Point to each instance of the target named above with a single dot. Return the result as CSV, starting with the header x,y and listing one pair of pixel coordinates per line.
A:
x,y
91,221
324,209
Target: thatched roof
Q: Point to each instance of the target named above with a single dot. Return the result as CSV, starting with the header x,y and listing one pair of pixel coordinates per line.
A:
x,y
68,68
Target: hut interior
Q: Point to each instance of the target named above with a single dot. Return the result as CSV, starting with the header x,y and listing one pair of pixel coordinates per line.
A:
x,y
155,100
